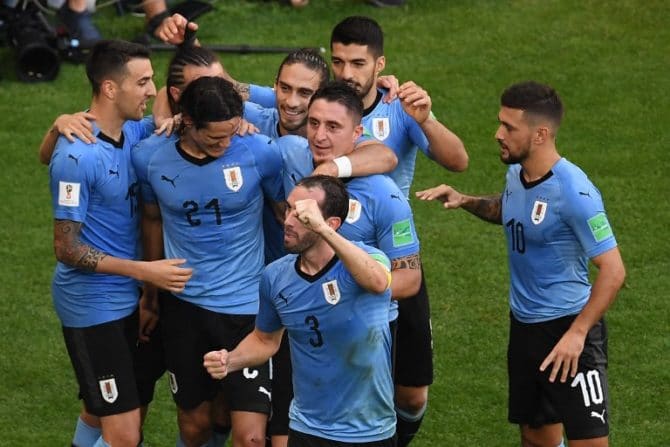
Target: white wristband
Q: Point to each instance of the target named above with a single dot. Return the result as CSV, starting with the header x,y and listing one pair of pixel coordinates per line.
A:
x,y
343,166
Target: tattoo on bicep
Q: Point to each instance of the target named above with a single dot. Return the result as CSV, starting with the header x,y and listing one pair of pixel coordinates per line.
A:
x,y
69,248
412,262
242,90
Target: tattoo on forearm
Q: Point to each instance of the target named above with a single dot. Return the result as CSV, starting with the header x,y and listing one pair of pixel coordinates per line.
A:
x,y
412,262
488,208
70,250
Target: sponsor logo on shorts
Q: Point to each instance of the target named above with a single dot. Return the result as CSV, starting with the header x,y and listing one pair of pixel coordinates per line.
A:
x,y
601,416
262,389
172,380
234,179
600,227
108,390
402,233
331,292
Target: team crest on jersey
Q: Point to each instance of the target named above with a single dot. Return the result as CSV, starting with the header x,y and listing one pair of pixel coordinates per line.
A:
x,y
331,292
539,211
234,180
172,380
108,390
354,213
381,128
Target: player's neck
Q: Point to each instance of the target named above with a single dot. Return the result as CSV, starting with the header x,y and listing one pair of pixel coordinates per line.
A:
x,y
370,97
107,119
301,132
540,162
315,258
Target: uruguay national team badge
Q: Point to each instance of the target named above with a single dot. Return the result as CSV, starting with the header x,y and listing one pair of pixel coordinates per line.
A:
x,y
108,390
381,128
539,210
172,380
331,292
354,213
234,180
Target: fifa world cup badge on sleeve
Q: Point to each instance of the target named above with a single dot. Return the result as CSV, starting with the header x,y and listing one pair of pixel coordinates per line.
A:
x,y
600,227
68,193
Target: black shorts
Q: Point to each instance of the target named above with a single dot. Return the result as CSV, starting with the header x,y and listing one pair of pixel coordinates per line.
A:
x,y
299,439
150,360
414,341
102,358
282,389
189,332
581,403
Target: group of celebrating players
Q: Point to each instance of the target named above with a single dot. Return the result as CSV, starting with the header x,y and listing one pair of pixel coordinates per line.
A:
x,y
270,228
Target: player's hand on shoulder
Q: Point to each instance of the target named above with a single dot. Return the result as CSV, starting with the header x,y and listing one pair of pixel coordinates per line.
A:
x,y
167,125
216,363
77,125
390,83
326,168
166,274
415,101
173,29
444,193
247,128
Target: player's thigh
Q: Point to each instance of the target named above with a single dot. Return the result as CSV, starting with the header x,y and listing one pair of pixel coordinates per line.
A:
x,y
545,436
185,341
414,341
248,428
102,357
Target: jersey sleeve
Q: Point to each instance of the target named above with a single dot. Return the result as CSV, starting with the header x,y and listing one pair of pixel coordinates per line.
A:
x,y
416,135
72,174
267,319
394,222
139,130
270,166
264,96
585,214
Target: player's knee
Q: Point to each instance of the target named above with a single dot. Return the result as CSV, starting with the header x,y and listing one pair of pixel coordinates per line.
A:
x,y
413,400
251,438
195,427
126,437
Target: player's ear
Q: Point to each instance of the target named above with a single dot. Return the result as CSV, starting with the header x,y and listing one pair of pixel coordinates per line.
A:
x,y
380,64
108,88
541,135
334,222
175,93
358,131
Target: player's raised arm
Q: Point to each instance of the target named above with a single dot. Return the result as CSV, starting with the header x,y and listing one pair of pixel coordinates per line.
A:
x,y
488,208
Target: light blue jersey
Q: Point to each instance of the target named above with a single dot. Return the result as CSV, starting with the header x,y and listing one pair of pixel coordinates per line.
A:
x,y
141,154
553,226
266,119
263,96
379,214
95,184
211,210
340,346
390,124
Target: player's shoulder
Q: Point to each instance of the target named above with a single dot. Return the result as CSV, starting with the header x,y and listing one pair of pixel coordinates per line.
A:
x,y
375,184
572,178
77,151
287,142
279,267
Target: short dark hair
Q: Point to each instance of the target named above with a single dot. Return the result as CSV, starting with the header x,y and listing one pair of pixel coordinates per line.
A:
x,y
210,99
186,55
108,59
535,99
342,93
336,201
359,30
311,59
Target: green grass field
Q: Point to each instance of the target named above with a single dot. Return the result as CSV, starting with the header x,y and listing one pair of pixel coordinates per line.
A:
x,y
610,60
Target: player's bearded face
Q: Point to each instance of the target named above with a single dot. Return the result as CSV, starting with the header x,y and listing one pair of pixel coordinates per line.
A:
x,y
297,238
513,135
355,65
294,87
135,90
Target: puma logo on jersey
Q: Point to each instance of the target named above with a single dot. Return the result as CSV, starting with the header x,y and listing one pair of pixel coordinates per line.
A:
x,y
395,196
587,193
281,295
595,414
165,178
116,173
76,159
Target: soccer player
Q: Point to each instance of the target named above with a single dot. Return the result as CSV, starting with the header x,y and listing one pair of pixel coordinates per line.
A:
x,y
554,221
357,57
331,295
94,197
209,189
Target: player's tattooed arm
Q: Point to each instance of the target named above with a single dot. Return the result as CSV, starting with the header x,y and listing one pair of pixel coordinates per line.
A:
x,y
488,208
412,262
69,248
241,88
